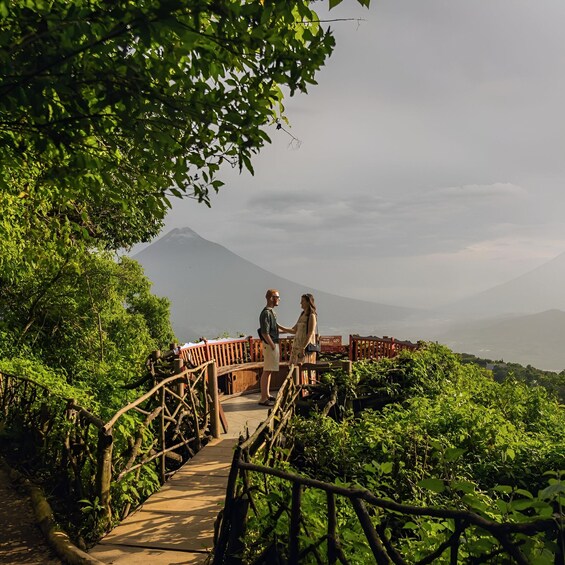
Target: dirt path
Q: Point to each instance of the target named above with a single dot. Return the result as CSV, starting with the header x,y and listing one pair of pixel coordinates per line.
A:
x,y
21,540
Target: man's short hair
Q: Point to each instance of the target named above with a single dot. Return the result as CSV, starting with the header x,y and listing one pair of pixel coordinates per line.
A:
x,y
270,293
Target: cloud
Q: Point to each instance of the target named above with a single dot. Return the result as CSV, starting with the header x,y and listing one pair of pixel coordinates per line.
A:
x,y
481,190
439,220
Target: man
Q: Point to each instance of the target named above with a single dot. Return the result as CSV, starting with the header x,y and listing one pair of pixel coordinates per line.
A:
x,y
269,330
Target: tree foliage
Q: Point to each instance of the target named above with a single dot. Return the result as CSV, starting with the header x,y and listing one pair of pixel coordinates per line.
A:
x,y
507,431
552,381
107,109
87,315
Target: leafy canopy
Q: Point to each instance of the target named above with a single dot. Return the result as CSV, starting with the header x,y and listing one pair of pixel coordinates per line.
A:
x,y
107,109
88,317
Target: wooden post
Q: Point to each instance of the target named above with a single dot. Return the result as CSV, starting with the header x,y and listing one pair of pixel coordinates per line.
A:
x,y
213,390
178,367
251,349
221,550
379,552
296,375
162,436
150,364
104,473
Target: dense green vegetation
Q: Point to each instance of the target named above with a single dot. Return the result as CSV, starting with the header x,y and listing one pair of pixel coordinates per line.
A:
x,y
447,435
88,322
109,110
552,381
81,326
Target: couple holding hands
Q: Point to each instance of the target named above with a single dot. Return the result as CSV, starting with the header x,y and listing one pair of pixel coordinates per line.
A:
x,y
304,337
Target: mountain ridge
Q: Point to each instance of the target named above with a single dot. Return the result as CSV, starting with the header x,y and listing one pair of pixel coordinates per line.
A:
x,y
537,290
533,339
226,292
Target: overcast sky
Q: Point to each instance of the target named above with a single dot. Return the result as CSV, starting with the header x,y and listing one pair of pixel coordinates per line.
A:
x,y
432,157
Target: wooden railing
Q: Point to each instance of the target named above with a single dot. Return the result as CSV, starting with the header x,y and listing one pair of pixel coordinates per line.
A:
x,y
292,510
228,352
96,457
169,423
376,347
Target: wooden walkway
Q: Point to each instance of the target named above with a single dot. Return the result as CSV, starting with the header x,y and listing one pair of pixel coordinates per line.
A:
x,y
176,524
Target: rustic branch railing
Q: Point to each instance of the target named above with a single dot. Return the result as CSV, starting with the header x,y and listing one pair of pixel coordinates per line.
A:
x,y
63,434
170,422
184,406
288,535
103,461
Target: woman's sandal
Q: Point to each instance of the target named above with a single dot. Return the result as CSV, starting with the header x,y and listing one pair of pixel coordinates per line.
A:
x,y
267,402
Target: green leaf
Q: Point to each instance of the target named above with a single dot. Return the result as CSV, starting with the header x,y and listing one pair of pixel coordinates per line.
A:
x,y
453,453
435,485
552,490
474,502
463,486
521,504
506,489
386,467
524,492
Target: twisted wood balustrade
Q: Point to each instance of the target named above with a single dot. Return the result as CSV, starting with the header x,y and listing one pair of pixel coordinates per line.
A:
x,y
103,461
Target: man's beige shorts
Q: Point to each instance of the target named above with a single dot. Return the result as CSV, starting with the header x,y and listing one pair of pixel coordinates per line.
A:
x,y
271,357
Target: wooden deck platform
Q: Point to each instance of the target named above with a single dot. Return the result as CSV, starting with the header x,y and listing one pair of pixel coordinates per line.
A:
x,y
176,524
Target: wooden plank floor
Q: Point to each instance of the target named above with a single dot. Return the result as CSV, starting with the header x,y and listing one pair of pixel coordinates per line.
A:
x,y
176,524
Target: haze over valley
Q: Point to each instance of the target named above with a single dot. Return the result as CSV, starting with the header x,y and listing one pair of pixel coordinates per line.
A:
x,y
215,292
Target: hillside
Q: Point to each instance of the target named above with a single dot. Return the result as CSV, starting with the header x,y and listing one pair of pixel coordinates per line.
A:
x,y
535,291
214,291
535,339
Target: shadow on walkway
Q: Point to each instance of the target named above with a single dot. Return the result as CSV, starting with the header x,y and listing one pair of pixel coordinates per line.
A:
x,y
176,524
21,540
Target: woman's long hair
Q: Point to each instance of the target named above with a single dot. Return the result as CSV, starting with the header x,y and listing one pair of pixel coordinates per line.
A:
x,y
311,303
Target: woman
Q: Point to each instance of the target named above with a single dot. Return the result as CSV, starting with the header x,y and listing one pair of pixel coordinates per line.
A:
x,y
304,332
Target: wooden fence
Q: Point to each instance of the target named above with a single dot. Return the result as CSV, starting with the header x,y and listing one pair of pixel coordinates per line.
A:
x,y
108,461
230,351
103,461
376,347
